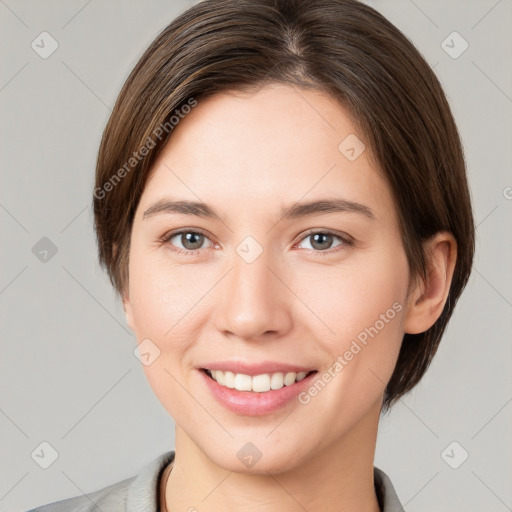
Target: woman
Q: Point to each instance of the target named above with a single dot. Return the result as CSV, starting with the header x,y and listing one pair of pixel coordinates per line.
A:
x,y
282,205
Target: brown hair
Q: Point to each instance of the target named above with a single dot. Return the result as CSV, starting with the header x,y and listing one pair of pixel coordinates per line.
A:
x,y
341,47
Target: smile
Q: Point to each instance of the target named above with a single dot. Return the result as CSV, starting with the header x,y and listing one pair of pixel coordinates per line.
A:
x,y
256,383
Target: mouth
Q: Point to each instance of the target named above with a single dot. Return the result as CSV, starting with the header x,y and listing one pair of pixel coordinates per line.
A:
x,y
256,383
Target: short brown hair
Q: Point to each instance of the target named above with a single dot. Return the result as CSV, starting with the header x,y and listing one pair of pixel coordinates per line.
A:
x,y
341,47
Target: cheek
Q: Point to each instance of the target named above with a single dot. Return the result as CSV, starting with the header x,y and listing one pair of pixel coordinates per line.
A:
x,y
162,300
163,295
162,313
361,309
350,299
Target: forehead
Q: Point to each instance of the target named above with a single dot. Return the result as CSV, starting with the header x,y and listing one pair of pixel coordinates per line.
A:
x,y
276,145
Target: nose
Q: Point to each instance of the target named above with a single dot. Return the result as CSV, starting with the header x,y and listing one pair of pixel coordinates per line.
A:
x,y
253,299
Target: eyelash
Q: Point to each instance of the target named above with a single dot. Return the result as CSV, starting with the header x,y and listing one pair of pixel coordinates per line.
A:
x,y
346,240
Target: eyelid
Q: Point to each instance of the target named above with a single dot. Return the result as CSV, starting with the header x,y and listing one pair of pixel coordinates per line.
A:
x,y
171,234
347,240
344,236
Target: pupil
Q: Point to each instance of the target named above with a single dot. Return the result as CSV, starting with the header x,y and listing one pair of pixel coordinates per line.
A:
x,y
189,239
321,236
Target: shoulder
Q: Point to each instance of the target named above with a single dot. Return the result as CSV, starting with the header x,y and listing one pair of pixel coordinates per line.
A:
x,y
132,494
109,499
388,499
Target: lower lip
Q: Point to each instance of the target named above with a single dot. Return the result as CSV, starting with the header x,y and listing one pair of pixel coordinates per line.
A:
x,y
250,403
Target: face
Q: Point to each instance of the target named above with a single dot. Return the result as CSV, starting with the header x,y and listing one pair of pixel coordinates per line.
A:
x,y
249,284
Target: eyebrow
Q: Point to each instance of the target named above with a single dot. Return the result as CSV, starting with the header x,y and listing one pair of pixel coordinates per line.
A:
x,y
292,211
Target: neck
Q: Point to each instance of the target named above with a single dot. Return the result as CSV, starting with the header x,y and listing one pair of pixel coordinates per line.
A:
x,y
337,477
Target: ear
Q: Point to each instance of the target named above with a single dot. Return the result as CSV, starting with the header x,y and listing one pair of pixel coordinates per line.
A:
x,y
128,311
427,299
125,298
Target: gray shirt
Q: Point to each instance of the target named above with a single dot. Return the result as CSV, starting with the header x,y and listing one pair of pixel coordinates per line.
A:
x,y
140,493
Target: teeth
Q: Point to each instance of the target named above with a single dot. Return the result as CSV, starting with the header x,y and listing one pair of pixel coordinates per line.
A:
x,y
276,381
258,383
301,375
243,382
229,379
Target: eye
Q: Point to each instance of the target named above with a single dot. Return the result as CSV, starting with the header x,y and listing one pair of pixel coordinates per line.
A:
x,y
321,241
190,241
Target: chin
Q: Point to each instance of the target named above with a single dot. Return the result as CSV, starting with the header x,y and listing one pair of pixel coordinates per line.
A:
x,y
254,458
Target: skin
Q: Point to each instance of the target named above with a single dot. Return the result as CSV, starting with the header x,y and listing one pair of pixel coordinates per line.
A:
x,y
247,155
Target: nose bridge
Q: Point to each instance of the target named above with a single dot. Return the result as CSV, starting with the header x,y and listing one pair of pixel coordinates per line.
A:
x,y
254,300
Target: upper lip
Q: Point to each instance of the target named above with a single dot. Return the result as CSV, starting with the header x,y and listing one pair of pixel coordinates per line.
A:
x,y
256,368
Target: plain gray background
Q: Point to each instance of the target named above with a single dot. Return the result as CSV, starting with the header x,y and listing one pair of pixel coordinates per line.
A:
x,y
68,375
